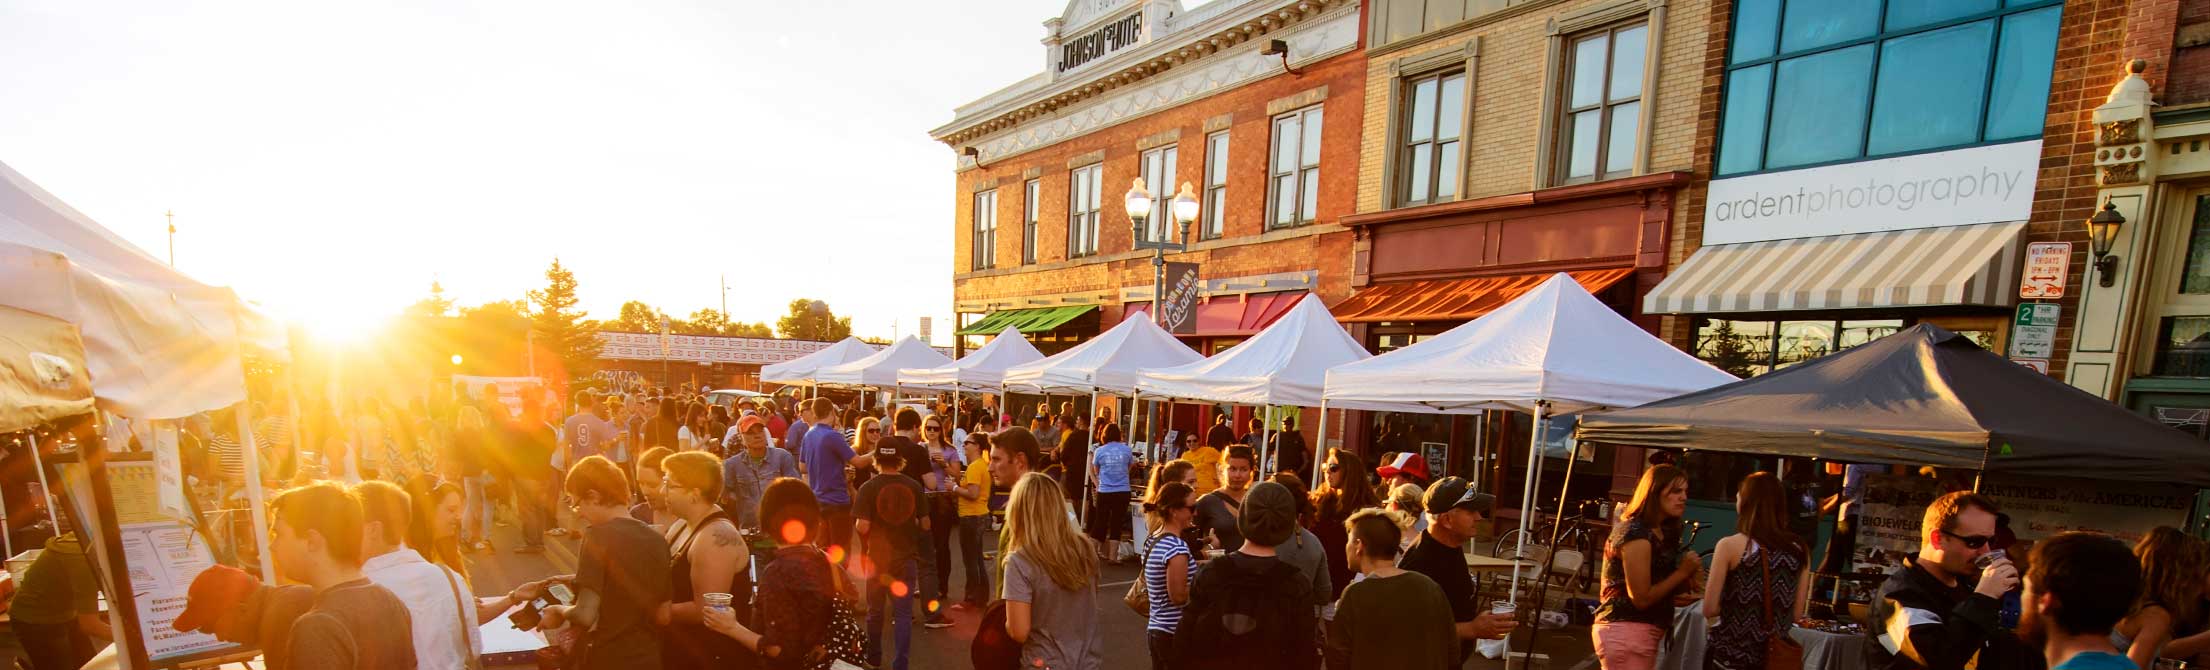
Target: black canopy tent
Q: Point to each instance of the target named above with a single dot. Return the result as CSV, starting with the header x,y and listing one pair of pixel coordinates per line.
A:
x,y
1923,396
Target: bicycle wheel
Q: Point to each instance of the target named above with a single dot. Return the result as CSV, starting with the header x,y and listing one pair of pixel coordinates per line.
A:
x,y
1507,544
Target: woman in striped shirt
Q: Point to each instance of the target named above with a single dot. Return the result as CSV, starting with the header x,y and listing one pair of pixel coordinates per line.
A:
x,y
1168,567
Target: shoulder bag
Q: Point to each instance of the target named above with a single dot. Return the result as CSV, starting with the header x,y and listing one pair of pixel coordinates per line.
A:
x,y
1781,653
1139,594
463,607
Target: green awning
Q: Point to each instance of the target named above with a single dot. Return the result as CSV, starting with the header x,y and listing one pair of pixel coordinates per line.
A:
x,y
1037,320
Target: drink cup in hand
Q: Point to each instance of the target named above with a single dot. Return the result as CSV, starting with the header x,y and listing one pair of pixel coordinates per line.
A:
x,y
1997,576
718,601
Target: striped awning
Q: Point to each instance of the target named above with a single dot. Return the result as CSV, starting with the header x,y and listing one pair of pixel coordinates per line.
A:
x,y
1954,265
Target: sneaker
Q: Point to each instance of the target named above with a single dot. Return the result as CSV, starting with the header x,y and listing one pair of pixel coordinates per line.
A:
x,y
483,547
557,532
937,620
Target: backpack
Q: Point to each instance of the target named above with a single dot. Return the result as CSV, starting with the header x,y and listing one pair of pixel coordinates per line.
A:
x,y
1246,610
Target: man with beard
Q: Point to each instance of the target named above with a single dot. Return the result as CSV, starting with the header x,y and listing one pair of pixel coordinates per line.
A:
x,y
1938,611
2079,586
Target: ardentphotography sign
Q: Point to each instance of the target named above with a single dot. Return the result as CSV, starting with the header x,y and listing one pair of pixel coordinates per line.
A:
x,y
1949,188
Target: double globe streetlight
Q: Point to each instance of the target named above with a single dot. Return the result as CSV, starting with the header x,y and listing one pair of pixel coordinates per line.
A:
x,y
1138,202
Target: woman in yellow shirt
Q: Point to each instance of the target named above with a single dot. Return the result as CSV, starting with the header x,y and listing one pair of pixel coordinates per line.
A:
x,y
974,519
1207,458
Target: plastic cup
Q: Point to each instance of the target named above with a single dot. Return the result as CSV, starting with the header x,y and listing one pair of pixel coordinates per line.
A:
x,y
1990,558
719,601
1504,607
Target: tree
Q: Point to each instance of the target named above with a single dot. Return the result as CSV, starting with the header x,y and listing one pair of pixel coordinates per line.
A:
x,y
434,305
714,322
557,322
742,329
813,320
497,309
638,317
1731,351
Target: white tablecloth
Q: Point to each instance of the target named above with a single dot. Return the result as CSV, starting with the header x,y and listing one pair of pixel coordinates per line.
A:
x,y
1684,645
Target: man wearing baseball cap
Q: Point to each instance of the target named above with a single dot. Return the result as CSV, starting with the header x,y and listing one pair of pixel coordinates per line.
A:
x,y
750,468
1406,468
1454,510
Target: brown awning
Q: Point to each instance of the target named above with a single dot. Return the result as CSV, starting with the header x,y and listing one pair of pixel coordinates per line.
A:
x,y
1455,299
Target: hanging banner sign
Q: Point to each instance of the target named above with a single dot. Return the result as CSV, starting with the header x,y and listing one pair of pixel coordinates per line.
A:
x,y
1182,286
1895,506
2047,264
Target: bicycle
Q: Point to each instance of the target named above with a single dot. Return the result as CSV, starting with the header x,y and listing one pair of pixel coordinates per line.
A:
x,y
1569,533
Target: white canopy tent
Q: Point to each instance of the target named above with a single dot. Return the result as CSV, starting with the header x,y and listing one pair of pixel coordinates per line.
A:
x,y
801,370
881,368
1554,350
1285,364
1106,363
984,369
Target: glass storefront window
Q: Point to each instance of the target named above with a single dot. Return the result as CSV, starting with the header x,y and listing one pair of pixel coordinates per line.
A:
x,y
1750,348
2183,348
2195,270
1802,341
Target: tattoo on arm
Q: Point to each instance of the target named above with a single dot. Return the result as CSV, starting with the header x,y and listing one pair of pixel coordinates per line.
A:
x,y
725,536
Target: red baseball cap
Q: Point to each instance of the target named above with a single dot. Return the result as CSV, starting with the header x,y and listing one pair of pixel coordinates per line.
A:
x,y
748,422
215,592
1406,463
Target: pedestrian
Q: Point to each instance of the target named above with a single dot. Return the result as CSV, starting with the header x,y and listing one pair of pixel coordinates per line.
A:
x,y
55,612
1946,577
710,556
1390,618
1046,430
1184,444
1302,549
889,520
1254,434
536,495
826,455
1406,498
1646,573
1217,512
1050,581
2173,567
1404,468
919,466
1207,458
1168,567
446,635
804,603
435,527
1073,458
1176,470
944,459
1013,454
1760,579
352,624
1455,511
621,575
1342,493
2080,586
751,466
1250,608
652,509
1108,466
974,519
865,437
1288,450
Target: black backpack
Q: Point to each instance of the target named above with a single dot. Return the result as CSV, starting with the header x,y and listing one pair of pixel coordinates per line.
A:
x,y
1248,611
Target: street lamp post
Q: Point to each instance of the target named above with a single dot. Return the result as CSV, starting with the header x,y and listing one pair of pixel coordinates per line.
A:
x,y
1184,205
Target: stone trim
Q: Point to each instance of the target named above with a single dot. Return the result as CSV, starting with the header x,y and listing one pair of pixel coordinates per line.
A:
x,y
1086,159
1299,100
981,185
1159,139
1219,123
1035,172
1413,66
1619,10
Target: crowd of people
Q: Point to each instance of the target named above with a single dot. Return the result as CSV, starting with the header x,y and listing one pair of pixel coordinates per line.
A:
x,y
810,535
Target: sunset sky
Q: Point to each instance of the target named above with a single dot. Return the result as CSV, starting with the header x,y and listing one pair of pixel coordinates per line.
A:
x,y
328,159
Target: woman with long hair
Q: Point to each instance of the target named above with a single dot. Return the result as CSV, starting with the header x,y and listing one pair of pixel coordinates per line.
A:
x,y
1168,566
435,532
1050,580
1108,468
2173,567
1646,573
943,502
1343,492
1176,470
1761,577
864,436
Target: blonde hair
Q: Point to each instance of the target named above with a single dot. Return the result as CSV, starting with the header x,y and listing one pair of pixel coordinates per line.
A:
x,y
1036,520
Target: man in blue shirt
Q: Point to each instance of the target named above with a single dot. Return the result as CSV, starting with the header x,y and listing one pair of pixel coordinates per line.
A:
x,y
826,454
2078,586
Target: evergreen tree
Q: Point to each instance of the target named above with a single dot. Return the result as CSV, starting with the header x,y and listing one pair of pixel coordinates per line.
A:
x,y
1731,351
559,326
434,305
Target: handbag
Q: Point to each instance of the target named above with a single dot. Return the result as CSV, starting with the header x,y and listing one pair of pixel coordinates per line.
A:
x,y
1139,594
1781,653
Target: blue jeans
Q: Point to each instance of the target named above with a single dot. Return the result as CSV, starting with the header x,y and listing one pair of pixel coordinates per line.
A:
x,y
476,507
900,610
972,530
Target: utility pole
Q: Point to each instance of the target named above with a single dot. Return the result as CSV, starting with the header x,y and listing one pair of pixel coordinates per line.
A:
x,y
725,297
171,214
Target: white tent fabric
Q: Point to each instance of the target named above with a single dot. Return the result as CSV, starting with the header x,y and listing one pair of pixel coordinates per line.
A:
x,y
1285,364
1556,343
801,370
982,369
1107,363
881,369
158,344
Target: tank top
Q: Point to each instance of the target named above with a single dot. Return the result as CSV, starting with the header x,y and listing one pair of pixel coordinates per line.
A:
x,y
693,645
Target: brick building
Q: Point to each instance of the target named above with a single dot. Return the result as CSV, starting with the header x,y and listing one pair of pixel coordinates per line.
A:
x,y
1143,90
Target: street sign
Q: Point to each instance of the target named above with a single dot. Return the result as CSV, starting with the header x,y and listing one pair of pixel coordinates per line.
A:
x,y
2037,314
2047,264
2040,365
928,329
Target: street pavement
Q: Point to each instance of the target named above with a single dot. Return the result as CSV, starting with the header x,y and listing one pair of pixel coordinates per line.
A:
x,y
1126,647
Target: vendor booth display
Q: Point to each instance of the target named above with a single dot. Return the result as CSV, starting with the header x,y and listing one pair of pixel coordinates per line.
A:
x,y
801,370
1106,363
1285,364
984,369
880,369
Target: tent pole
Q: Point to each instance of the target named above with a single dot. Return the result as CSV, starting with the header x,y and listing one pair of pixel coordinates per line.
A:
x,y
254,494
1091,486
1481,478
1266,439
45,490
1527,497
1572,457
1319,453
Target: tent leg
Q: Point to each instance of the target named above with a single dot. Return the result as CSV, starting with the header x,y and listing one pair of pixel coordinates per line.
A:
x,y
1481,479
1527,497
44,489
254,494
1266,441
1572,456
1320,450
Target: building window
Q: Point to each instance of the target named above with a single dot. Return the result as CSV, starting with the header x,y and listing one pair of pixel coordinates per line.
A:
x,y
986,230
1031,197
1750,348
1295,199
1599,130
1397,20
1215,212
1428,161
1082,204
1158,178
1821,81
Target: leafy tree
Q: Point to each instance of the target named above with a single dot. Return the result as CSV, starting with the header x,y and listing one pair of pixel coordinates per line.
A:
x,y
638,317
434,305
498,309
714,322
559,325
813,320
742,329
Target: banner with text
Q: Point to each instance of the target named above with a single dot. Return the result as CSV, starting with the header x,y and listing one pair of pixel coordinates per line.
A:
x,y
1182,287
1949,188
1895,505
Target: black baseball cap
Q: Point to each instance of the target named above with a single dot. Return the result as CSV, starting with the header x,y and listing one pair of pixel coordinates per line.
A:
x,y
1451,493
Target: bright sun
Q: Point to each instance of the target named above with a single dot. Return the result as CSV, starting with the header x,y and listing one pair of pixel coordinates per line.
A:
x,y
338,323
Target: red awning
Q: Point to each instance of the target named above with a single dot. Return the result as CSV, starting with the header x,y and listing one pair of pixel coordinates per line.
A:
x,y
1233,315
1455,299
